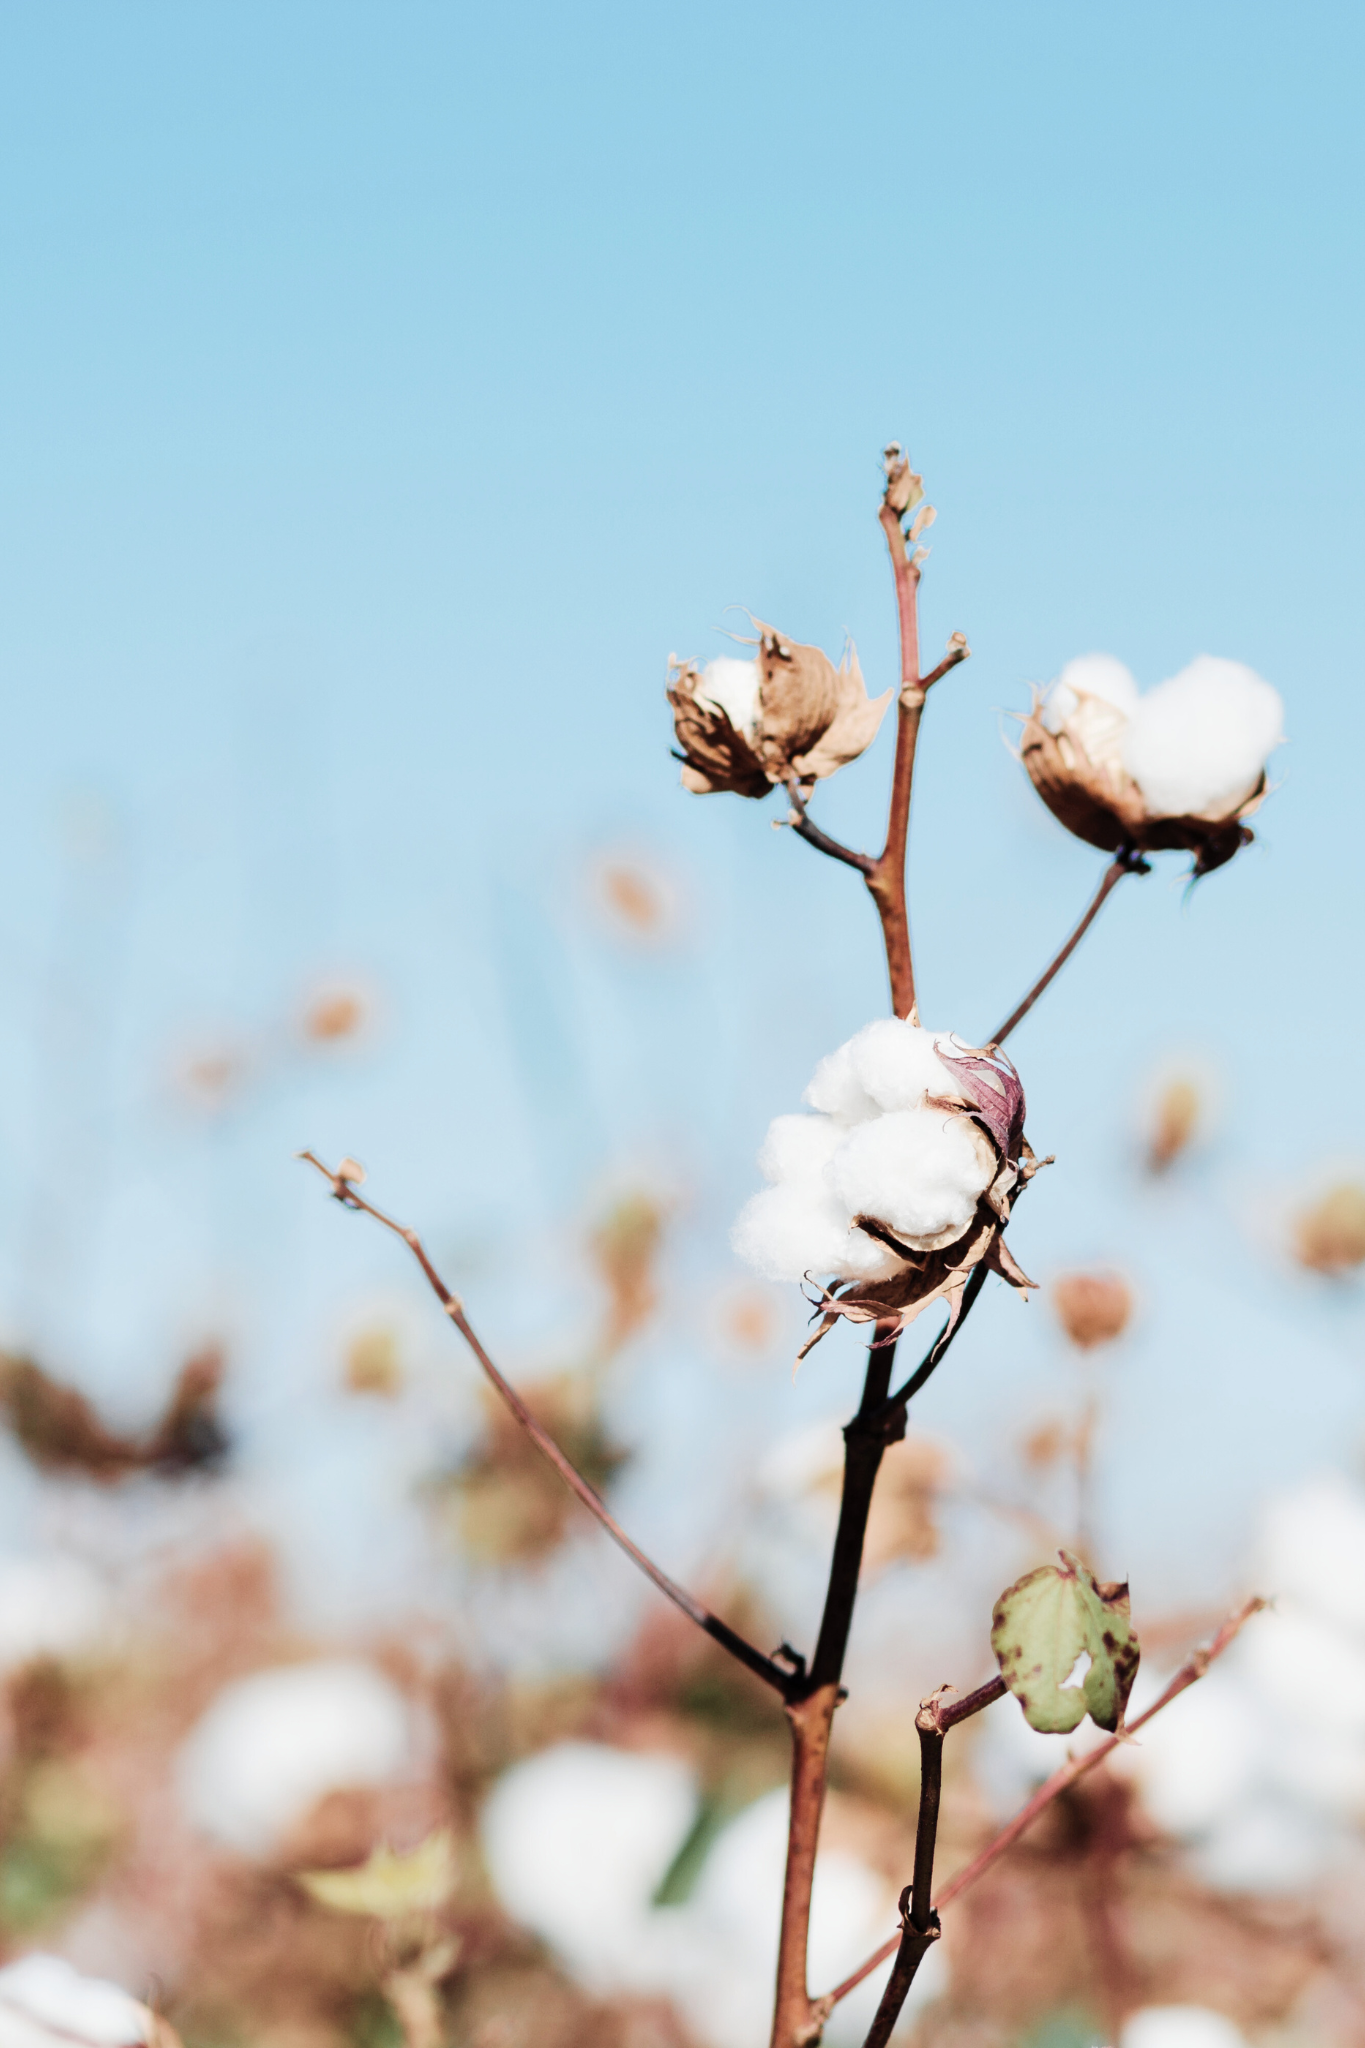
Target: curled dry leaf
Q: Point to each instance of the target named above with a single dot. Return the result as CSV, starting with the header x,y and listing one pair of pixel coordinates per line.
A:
x,y
991,1096
390,1885
1093,1308
1330,1237
1079,774
1044,1625
808,718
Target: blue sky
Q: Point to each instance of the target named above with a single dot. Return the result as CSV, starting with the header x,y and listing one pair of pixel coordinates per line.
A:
x,y
385,391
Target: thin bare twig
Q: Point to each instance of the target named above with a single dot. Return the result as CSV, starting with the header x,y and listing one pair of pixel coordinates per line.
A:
x,y
1189,1673
772,1673
805,828
1125,862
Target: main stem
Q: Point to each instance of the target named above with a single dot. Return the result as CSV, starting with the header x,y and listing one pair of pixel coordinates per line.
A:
x,y
886,877
797,2019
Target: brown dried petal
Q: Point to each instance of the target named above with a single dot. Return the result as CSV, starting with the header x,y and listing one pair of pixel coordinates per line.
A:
x,y
813,717
715,756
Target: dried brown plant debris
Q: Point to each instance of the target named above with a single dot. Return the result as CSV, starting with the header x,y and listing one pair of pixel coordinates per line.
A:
x,y
507,1506
61,1430
808,719
1175,1120
1329,1237
625,1247
1092,1308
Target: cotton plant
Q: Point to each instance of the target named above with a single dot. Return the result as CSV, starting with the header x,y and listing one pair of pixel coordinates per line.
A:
x,y
890,1193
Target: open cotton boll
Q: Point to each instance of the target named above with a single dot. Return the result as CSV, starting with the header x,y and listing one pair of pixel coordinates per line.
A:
x,y
920,1171
836,1090
1196,745
270,1745
798,1227
733,687
897,1064
1314,1550
45,2002
798,1147
1089,675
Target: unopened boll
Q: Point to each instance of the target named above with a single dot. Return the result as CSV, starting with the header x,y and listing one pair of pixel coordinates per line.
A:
x,y
888,1140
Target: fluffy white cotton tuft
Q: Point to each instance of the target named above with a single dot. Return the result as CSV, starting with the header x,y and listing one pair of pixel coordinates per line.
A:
x,y
270,1745
1197,743
1180,2026
44,2000
799,1147
919,1170
733,686
1089,675
872,1149
801,1227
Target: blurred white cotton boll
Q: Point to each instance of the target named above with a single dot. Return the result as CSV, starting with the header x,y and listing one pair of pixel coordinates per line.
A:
x,y
577,1841
1199,1760
1272,1845
1180,2026
733,686
1092,675
1312,1672
49,1606
270,1745
799,1146
1198,742
919,1170
897,1064
1313,1550
44,2002
799,1227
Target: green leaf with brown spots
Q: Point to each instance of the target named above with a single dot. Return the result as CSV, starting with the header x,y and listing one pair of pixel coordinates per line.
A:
x,y
1050,1622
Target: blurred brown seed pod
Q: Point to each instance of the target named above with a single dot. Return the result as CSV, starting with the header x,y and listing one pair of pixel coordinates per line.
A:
x,y
1092,1308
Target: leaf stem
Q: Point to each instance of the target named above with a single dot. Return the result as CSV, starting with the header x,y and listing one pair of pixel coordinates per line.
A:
x,y
773,1674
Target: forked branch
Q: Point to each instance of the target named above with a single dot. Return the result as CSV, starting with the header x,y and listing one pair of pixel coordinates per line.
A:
x,y
344,1191
1190,1672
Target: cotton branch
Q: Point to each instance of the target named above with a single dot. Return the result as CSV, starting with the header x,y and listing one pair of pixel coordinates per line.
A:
x,y
1190,1672
344,1191
1125,862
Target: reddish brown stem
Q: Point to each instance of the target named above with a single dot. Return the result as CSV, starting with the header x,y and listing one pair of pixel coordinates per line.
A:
x,y
1123,863
796,2019
1189,1673
774,1674
886,879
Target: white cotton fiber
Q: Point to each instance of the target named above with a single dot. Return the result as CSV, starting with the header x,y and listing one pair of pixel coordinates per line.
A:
x,y
799,1227
799,1147
920,1171
835,1087
733,686
43,1999
1197,743
1180,2026
896,1064
1089,675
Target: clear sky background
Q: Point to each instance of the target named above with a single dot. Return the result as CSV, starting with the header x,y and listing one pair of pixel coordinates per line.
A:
x,y
385,391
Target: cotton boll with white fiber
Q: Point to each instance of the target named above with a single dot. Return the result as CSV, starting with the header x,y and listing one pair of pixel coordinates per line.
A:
x,y
799,1227
732,686
919,1171
1100,676
1313,1551
1201,1759
836,1089
577,1841
1196,745
1180,2026
1312,1673
45,2003
1272,1845
49,1606
798,1147
897,1064
269,1746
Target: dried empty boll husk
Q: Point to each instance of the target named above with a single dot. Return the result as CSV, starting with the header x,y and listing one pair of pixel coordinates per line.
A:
x,y
1330,1236
1179,766
899,1184
1092,1308
787,715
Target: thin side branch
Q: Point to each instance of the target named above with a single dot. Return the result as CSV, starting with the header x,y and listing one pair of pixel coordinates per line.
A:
x,y
1190,1672
801,823
772,1673
920,1927
886,880
1125,862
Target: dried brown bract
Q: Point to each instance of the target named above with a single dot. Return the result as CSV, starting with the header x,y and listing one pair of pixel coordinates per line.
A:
x,y
61,1431
796,718
1079,773
1093,1308
1174,1122
1330,1237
